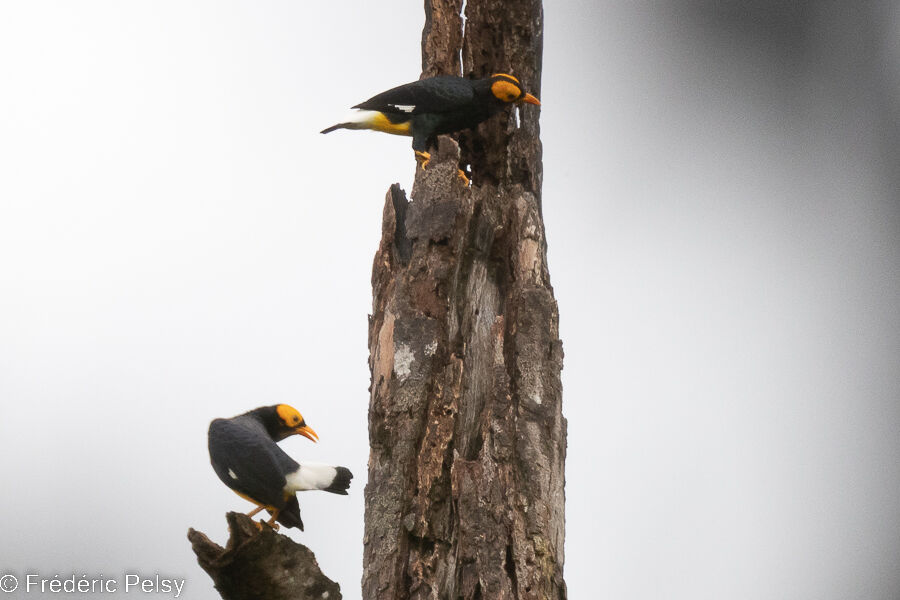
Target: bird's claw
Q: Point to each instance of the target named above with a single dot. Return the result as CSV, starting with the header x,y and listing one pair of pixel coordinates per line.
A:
x,y
422,158
271,524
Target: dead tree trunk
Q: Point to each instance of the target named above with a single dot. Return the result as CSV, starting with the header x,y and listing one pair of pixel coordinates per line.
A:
x,y
259,563
465,497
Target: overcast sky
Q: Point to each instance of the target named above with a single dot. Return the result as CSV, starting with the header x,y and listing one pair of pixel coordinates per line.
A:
x,y
178,243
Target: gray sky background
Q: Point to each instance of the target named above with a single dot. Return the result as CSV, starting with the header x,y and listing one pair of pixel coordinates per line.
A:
x,y
177,243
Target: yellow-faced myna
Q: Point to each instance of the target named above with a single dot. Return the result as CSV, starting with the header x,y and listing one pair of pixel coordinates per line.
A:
x,y
430,107
245,456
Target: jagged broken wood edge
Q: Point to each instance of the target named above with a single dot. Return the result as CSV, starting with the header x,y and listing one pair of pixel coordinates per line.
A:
x,y
257,564
465,499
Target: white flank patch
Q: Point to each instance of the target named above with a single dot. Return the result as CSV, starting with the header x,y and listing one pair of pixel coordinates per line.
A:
x,y
407,108
231,474
310,476
403,359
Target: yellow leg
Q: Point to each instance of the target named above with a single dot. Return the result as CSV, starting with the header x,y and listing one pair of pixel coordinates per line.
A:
x,y
271,522
462,175
422,158
253,512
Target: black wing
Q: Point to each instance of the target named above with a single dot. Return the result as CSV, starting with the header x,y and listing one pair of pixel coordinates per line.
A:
x,y
433,95
248,462
290,514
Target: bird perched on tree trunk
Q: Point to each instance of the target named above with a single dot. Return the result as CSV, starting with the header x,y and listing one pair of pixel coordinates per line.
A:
x,y
244,454
430,107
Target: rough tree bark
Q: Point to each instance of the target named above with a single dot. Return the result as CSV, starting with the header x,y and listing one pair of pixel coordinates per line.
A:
x,y
465,496
259,564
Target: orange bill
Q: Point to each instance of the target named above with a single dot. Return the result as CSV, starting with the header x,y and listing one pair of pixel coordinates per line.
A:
x,y
307,432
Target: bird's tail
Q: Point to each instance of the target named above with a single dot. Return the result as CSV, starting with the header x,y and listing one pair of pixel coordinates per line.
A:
x,y
341,482
358,119
315,476
375,120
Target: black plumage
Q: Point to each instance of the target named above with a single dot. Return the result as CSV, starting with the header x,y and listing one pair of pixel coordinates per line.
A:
x,y
244,454
439,105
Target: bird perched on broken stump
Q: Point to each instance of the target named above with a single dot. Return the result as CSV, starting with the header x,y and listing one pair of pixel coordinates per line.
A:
x,y
434,106
244,454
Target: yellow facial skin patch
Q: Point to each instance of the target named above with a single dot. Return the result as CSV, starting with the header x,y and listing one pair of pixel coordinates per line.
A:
x,y
289,415
507,75
505,90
